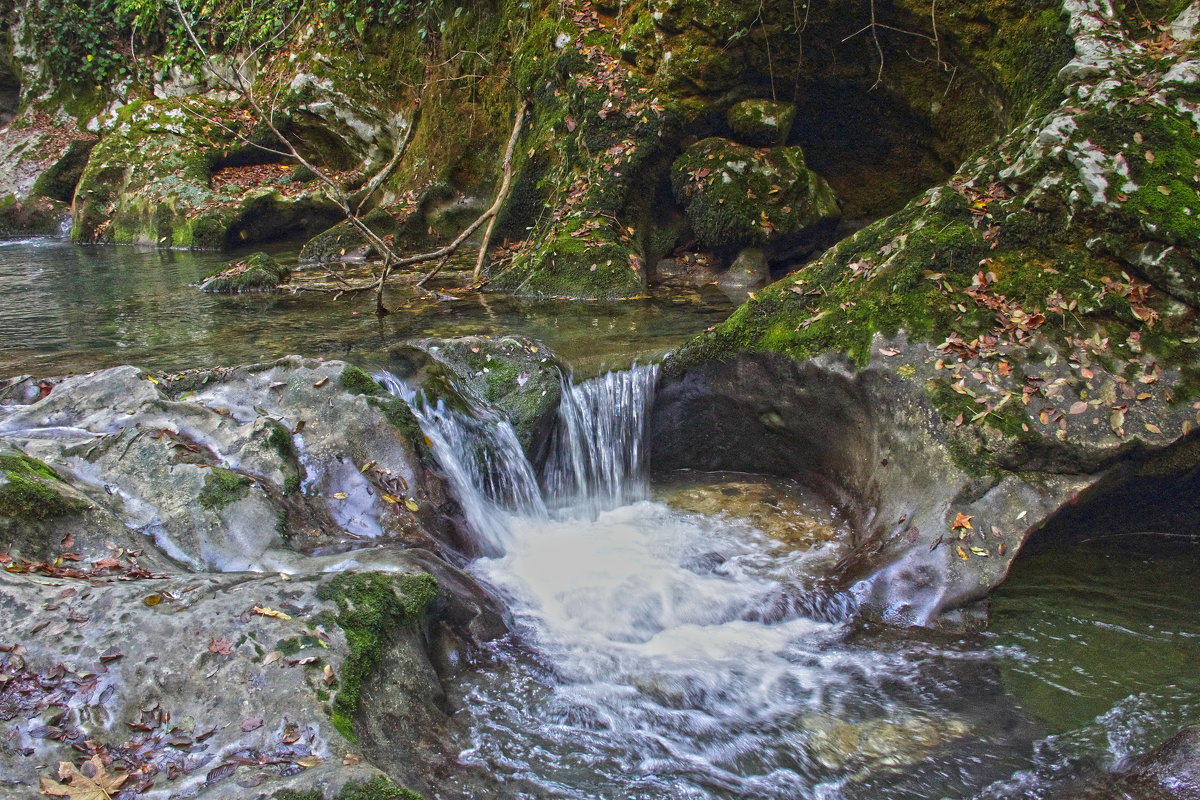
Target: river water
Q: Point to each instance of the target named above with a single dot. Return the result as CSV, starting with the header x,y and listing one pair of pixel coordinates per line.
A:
x,y
673,641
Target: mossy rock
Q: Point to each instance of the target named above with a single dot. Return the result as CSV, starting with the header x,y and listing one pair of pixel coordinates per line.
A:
x,y
739,196
31,490
38,216
583,264
258,273
370,606
759,122
223,487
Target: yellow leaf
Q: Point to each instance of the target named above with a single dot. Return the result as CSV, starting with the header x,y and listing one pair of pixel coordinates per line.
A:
x,y
339,495
979,551
153,599
1150,426
267,611
390,498
152,379
962,552
411,505
961,521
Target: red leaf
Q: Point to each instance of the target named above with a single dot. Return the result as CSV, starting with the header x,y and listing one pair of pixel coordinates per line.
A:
x,y
220,646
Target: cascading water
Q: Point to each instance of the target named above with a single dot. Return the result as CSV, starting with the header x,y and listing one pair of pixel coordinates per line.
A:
x,y
654,658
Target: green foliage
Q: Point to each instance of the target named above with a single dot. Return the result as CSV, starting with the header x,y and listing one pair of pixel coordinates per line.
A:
x,y
380,788
88,42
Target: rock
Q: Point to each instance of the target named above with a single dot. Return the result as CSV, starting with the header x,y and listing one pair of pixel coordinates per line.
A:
x,y
164,175
1012,346
141,657
246,468
518,377
879,744
1169,772
133,518
737,196
39,216
748,272
761,123
256,273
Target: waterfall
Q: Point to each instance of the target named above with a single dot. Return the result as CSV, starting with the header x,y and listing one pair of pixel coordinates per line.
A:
x,y
595,461
597,451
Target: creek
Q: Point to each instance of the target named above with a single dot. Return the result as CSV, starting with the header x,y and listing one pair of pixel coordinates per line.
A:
x,y
672,637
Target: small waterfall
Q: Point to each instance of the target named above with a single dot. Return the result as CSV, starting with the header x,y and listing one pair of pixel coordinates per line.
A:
x,y
596,458
482,459
597,452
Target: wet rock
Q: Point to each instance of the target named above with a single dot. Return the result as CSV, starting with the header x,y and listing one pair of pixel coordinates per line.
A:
x,y
738,196
748,272
777,508
760,122
243,468
257,273
518,377
129,666
1169,772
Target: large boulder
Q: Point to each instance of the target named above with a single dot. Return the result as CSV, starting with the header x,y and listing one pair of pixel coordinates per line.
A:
x,y
1012,355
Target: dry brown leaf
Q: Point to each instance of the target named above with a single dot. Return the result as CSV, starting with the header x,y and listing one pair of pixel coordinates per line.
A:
x,y
78,786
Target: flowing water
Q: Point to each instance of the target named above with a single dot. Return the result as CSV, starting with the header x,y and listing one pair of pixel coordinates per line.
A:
x,y
669,642
653,657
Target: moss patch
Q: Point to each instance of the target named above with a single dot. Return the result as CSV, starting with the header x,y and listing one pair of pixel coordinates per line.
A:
x,y
370,606
357,381
32,490
222,487
380,788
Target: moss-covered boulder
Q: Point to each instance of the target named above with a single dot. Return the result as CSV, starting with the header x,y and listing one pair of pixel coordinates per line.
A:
x,y
738,196
518,377
256,273
31,491
760,122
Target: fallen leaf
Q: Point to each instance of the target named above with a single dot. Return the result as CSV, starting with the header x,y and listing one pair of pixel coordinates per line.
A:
x,y
979,551
1150,426
962,552
961,521
221,647
321,382
153,599
351,759
309,761
252,724
339,495
1078,407
889,351
272,657
327,675
267,611
78,786
411,505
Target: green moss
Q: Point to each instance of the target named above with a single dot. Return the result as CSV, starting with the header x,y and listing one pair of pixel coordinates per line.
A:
x,y
291,484
379,788
370,606
400,417
31,490
357,381
222,487
280,440
258,273
298,794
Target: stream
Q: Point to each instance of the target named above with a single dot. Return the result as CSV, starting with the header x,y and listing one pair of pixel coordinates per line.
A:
x,y
672,637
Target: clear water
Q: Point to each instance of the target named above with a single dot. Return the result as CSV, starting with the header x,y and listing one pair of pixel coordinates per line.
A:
x,y
73,308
